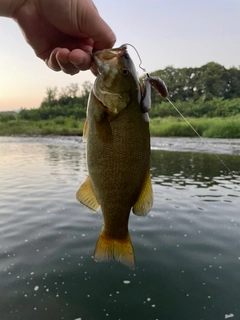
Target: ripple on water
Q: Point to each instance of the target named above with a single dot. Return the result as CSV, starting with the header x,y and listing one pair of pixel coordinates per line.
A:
x,y
187,248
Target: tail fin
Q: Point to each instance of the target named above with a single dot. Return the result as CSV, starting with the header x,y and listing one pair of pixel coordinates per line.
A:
x,y
119,249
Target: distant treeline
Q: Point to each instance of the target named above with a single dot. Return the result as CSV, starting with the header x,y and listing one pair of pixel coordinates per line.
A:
x,y
212,80
207,91
69,102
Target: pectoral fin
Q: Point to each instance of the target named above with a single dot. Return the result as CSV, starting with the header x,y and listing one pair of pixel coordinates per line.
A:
x,y
145,199
103,129
86,195
85,130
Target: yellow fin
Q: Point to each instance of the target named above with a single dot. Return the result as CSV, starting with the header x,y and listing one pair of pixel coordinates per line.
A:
x,y
85,130
145,199
118,249
86,195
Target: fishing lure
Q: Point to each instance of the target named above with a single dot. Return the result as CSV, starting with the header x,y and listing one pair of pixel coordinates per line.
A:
x,y
159,85
156,82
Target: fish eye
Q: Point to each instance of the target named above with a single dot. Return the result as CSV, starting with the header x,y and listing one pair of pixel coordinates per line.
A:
x,y
125,72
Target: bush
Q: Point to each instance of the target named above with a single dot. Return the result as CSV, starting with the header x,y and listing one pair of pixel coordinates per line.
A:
x,y
5,117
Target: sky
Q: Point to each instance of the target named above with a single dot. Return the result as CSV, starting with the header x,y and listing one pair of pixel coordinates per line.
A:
x,y
187,33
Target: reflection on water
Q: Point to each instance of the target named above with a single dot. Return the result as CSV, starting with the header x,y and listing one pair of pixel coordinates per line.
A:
x,y
203,145
202,170
193,165
187,248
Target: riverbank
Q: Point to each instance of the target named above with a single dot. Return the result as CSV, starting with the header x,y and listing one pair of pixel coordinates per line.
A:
x,y
59,126
159,127
228,127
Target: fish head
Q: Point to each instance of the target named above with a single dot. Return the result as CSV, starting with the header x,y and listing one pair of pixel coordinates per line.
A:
x,y
117,82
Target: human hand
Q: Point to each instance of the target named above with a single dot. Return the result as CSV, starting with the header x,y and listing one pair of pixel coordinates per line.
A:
x,y
64,32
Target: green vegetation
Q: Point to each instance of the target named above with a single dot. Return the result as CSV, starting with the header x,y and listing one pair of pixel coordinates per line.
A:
x,y
57,126
216,107
67,103
206,127
207,82
208,96
159,127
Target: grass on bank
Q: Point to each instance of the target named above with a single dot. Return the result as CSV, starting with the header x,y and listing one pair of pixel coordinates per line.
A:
x,y
159,127
206,127
58,126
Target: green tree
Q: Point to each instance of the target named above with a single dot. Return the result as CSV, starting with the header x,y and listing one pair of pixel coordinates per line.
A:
x,y
206,82
51,97
72,90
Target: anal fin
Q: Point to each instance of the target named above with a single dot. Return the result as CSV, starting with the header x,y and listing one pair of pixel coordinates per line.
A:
x,y
86,195
145,199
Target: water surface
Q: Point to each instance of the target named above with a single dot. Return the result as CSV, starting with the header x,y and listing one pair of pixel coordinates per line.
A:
x,y
187,249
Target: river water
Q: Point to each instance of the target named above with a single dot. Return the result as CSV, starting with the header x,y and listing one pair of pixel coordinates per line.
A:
x,y
187,248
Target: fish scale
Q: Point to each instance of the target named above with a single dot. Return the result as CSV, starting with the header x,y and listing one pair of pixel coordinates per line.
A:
x,y
118,154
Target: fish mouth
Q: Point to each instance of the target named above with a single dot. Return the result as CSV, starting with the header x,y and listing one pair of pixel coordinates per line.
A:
x,y
109,56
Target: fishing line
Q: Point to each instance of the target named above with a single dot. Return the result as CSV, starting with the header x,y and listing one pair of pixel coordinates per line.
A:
x,y
144,70
197,133
129,44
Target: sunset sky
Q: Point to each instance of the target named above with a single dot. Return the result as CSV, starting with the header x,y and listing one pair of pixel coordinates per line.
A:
x,y
183,33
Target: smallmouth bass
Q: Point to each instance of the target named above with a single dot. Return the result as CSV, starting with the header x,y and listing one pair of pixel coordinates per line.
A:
x,y
118,151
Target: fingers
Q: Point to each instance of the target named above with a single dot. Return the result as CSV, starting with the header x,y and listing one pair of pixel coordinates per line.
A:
x,y
88,32
70,62
51,61
80,59
102,35
95,27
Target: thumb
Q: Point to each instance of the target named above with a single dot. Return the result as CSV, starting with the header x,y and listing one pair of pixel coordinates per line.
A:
x,y
91,24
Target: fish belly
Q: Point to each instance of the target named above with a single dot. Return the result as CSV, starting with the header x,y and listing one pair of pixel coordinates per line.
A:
x,y
117,167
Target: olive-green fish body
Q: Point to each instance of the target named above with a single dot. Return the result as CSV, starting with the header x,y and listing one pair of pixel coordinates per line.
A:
x,y
118,166
118,154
